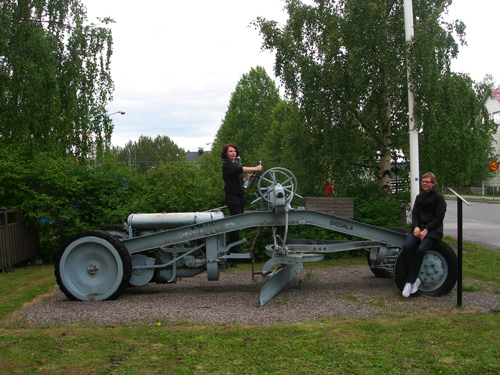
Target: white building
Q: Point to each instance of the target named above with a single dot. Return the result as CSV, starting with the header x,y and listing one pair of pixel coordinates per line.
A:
x,y
493,106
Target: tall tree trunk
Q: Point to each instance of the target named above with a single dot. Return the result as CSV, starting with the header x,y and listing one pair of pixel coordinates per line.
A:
x,y
385,152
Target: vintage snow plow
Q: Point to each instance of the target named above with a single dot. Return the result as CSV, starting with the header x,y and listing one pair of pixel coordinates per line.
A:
x,y
162,248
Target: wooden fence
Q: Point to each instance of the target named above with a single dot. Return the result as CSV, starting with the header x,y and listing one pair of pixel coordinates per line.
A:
x,y
18,241
343,207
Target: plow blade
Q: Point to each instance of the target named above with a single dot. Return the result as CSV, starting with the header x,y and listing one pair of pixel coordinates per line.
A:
x,y
278,280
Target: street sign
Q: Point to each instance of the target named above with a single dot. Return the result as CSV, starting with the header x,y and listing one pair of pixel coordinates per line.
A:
x,y
494,166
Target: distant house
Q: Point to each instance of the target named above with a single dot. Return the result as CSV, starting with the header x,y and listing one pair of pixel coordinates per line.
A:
x,y
193,156
493,106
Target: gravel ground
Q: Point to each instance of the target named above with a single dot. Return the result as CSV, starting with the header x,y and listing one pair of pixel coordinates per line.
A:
x,y
339,293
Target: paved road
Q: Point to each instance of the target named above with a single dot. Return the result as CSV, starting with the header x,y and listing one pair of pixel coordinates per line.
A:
x,y
481,223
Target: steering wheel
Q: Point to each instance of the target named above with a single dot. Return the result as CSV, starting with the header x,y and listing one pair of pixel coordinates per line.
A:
x,y
275,176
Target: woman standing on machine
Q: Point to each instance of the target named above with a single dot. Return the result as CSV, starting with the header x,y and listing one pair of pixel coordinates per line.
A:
x,y
232,175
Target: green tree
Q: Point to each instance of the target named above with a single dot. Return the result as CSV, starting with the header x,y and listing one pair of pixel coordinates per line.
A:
x,y
457,150
288,144
146,153
247,118
54,77
344,63
180,186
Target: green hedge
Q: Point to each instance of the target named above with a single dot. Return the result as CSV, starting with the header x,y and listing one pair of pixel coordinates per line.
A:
x,y
65,197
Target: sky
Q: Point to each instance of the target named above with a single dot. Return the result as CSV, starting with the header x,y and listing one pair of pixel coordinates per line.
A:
x,y
175,64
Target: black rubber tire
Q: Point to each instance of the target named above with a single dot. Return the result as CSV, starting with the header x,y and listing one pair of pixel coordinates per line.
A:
x,y
444,285
125,259
115,230
381,272
378,272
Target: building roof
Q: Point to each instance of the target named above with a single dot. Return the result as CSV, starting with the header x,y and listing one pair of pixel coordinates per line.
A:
x,y
496,94
192,156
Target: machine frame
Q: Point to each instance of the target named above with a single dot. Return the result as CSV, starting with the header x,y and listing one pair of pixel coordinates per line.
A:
x,y
101,264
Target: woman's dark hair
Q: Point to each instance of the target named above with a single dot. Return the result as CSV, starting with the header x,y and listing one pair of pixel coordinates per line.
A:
x,y
223,154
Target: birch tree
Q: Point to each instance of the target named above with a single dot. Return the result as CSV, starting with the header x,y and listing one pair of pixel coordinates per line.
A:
x,y
55,77
344,62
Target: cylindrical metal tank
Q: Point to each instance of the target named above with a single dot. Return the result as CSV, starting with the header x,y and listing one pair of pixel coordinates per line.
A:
x,y
171,220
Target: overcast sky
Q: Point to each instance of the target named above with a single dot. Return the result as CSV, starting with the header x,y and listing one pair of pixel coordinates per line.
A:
x,y
175,64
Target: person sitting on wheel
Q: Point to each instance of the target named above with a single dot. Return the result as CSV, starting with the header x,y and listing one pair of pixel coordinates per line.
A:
x,y
233,185
426,230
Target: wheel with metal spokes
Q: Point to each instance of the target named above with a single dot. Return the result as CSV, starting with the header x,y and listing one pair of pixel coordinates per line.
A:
x,y
273,177
93,266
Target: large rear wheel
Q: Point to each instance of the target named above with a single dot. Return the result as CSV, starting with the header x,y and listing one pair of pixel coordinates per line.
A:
x,y
438,272
93,266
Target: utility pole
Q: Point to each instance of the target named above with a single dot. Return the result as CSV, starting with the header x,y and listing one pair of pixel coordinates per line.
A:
x,y
414,158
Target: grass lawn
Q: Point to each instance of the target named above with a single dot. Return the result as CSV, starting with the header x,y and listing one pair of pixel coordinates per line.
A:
x,y
458,344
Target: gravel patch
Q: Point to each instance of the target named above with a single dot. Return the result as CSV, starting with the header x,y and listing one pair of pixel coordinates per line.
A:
x,y
340,293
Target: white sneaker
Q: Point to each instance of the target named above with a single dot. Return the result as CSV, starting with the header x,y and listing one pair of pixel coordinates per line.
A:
x,y
407,290
415,286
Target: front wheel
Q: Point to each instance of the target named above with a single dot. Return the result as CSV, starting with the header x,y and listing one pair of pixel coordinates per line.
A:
x,y
93,266
438,272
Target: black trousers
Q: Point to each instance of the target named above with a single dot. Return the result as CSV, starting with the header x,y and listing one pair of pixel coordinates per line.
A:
x,y
235,205
415,252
